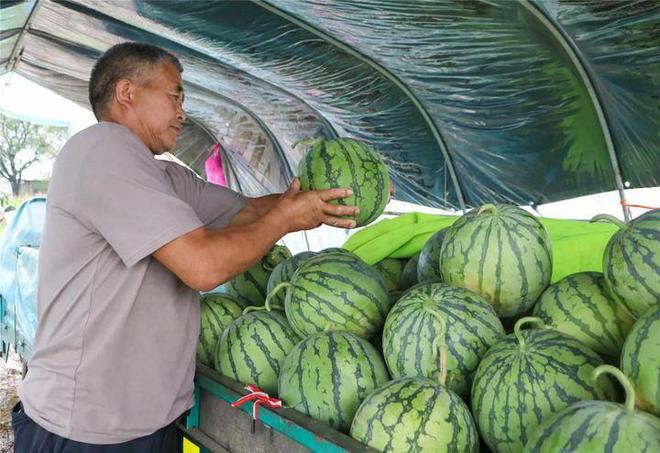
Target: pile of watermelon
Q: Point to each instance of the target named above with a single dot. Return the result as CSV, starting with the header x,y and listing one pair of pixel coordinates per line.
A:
x,y
464,347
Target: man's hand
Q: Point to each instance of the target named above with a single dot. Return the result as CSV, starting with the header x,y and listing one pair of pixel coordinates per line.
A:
x,y
309,209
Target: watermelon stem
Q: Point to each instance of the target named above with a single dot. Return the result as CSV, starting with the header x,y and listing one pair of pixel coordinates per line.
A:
x,y
520,323
609,218
307,141
439,343
487,207
625,383
272,294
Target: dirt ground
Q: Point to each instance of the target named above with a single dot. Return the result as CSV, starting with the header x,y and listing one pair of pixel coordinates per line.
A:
x,y
10,376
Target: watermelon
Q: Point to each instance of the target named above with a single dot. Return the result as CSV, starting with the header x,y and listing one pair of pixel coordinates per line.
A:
x,y
640,360
581,306
415,414
501,252
336,291
598,426
250,286
344,162
428,263
329,374
409,274
217,311
631,262
283,273
525,378
430,315
251,350
391,269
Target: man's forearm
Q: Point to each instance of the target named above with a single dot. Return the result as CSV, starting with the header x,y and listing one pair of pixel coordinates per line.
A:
x,y
254,209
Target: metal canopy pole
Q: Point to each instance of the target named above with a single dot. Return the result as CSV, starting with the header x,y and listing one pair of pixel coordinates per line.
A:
x,y
587,77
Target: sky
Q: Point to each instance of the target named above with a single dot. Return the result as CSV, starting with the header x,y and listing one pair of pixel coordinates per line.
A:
x,y
24,99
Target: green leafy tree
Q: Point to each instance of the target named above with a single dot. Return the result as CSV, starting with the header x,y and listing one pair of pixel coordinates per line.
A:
x,y
22,144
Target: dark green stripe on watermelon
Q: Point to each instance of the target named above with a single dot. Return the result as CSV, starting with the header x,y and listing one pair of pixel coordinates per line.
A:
x,y
428,264
329,374
582,307
250,286
631,262
217,311
336,291
521,381
640,360
415,414
253,347
345,162
409,274
501,252
468,327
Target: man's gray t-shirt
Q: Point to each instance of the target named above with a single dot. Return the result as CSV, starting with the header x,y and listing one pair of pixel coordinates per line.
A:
x,y
114,355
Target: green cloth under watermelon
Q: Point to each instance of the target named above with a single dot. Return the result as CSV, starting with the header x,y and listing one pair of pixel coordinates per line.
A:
x,y
577,245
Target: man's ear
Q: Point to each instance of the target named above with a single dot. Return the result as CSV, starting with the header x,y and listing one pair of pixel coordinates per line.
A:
x,y
124,93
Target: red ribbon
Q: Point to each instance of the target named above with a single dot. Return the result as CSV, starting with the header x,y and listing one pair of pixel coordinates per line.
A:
x,y
260,398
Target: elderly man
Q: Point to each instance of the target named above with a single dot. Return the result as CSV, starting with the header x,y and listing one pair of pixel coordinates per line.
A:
x,y
128,242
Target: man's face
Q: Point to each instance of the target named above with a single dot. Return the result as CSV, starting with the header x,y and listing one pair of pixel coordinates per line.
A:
x,y
159,108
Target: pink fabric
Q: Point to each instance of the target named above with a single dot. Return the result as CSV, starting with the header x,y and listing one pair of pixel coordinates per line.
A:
x,y
213,167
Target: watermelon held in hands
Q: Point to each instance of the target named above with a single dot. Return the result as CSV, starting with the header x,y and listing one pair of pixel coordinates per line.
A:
x,y
582,307
501,252
336,291
252,348
598,426
428,264
345,162
640,360
631,262
217,311
415,414
525,378
251,286
429,315
329,374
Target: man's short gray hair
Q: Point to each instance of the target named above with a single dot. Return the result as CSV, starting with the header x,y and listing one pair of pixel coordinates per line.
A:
x,y
128,60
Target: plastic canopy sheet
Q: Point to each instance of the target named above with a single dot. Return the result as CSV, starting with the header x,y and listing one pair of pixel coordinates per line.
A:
x,y
19,253
467,101
576,246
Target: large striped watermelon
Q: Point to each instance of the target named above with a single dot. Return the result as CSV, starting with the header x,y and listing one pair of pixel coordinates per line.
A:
x,y
428,264
251,350
344,162
501,252
251,285
415,414
329,374
525,378
336,291
581,306
430,315
217,311
391,269
631,262
640,360
409,274
598,426
283,273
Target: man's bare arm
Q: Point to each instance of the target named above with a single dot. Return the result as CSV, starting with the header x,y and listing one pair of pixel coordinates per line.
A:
x,y
203,258
255,208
